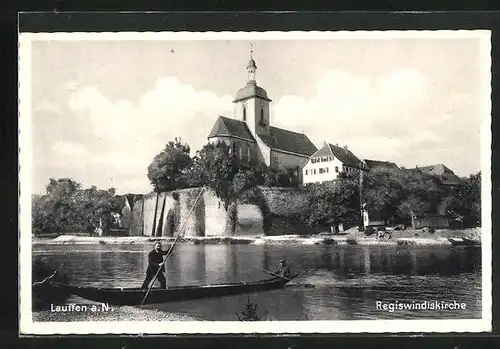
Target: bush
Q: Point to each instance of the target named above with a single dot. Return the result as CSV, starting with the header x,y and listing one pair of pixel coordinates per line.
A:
x,y
352,241
329,241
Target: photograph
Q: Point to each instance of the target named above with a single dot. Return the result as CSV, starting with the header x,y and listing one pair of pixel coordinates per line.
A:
x,y
255,182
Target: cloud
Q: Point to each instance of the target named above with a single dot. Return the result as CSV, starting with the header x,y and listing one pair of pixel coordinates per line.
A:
x,y
384,117
122,138
69,148
45,105
399,116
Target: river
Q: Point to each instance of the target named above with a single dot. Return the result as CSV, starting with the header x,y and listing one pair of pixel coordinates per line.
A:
x,y
334,282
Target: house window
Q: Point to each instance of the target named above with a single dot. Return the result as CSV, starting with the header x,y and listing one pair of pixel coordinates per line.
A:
x,y
336,169
314,171
321,170
307,172
244,114
327,170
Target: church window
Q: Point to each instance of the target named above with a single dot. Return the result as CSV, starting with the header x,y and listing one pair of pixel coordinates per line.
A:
x,y
262,123
249,154
244,113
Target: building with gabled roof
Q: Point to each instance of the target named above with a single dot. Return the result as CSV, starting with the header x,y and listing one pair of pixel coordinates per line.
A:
x,y
445,175
328,163
251,135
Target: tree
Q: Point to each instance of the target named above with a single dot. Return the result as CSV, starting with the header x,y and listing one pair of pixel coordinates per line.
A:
x,y
332,203
381,193
396,194
421,193
168,169
464,203
215,165
66,207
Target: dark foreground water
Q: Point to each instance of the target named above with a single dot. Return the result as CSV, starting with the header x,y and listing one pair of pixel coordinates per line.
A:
x,y
322,291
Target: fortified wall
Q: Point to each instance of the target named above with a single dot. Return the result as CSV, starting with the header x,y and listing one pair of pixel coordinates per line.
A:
x,y
163,214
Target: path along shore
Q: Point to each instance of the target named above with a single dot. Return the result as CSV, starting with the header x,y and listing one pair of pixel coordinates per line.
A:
x,y
352,237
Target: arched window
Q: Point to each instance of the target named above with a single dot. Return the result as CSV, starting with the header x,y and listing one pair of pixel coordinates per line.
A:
x,y
262,123
244,113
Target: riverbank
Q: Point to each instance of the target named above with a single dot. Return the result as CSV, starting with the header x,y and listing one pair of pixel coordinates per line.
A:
x,y
125,313
350,237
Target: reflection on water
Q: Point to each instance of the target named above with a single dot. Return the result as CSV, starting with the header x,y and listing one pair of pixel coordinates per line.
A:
x,y
347,280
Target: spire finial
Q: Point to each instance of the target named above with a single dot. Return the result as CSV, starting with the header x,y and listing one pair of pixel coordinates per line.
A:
x,y
251,67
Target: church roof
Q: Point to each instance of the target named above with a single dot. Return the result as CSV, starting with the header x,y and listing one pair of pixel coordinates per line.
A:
x,y
226,127
280,139
251,90
343,154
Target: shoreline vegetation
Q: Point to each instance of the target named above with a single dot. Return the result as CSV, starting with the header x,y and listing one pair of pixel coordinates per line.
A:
x,y
350,237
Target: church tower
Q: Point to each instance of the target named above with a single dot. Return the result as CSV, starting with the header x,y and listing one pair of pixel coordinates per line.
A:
x,y
252,104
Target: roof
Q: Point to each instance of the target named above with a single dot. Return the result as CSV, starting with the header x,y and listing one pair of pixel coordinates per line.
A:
x,y
226,127
438,169
293,142
447,176
343,154
376,163
251,90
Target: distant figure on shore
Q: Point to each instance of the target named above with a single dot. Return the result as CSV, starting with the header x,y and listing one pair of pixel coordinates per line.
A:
x,y
283,269
155,259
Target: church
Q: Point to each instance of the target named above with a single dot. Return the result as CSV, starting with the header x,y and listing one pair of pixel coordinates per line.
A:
x,y
250,133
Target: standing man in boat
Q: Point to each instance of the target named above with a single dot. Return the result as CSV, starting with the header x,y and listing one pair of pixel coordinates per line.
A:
x,y
283,269
155,259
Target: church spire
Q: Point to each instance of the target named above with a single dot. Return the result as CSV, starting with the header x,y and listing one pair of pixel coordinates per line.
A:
x,y
251,67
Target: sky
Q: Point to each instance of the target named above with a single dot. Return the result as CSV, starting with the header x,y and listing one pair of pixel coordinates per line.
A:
x,y
101,110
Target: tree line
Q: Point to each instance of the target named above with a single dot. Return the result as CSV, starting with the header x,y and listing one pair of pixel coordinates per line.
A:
x,y
67,207
393,196
390,195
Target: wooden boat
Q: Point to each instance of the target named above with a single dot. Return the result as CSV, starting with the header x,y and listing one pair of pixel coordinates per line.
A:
x,y
471,242
135,296
457,241
463,241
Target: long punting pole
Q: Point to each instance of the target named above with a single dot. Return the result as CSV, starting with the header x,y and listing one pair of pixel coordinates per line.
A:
x,y
362,221
172,245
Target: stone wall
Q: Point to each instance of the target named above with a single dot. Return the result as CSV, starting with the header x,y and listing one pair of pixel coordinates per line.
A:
x,y
136,221
163,214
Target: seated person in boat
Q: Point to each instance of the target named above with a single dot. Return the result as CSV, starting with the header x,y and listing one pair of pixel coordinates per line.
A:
x,y
155,259
283,269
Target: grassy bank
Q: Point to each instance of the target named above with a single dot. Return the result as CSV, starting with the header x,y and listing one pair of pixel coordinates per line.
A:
x,y
124,313
350,237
